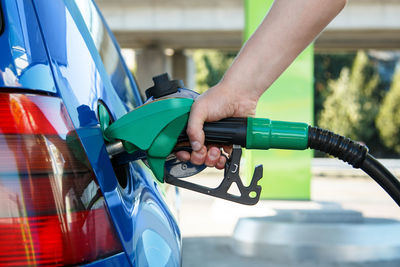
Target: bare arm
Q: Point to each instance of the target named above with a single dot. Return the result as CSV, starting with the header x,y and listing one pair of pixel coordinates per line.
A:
x,y
287,29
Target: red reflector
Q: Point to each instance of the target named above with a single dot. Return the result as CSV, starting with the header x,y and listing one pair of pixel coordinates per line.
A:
x,y
52,211
31,114
56,240
31,152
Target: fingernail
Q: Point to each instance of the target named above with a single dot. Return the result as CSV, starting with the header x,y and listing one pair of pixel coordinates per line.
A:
x,y
213,153
195,146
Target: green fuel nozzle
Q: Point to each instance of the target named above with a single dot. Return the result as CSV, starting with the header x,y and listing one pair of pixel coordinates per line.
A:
x,y
158,126
155,128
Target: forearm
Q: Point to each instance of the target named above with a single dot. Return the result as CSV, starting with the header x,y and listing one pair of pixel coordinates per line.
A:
x,y
287,29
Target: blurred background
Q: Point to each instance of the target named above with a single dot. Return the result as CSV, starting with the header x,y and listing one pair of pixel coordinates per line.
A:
x,y
347,81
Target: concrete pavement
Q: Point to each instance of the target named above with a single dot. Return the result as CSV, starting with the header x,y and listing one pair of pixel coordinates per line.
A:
x,y
207,224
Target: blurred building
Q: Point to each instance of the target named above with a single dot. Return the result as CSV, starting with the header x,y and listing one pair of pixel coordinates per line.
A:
x,y
162,32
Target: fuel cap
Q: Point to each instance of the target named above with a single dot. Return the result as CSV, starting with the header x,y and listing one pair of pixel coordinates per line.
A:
x,y
163,86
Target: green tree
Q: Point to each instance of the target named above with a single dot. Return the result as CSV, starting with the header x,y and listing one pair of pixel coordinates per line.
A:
x,y
352,105
327,66
388,120
210,67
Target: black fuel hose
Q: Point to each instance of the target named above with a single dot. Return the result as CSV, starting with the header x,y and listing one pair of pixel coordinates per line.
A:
x,y
356,155
382,176
233,131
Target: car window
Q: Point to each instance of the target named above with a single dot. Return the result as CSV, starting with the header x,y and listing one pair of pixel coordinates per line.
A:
x,y
122,81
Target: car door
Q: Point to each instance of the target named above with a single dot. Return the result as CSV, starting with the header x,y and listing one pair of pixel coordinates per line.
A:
x,y
88,69
52,210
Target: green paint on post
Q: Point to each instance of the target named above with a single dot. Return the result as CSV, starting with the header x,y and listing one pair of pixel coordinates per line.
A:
x,y
287,173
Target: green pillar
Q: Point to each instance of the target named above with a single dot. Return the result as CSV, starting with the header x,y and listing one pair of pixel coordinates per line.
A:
x,y
287,174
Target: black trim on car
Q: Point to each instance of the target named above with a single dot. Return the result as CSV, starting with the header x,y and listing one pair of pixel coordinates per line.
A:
x,y
1,20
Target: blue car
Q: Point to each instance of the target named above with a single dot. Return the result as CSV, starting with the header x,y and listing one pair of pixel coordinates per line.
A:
x,y
62,200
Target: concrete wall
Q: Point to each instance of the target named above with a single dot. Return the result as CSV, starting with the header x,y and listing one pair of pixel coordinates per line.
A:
x,y
151,26
219,24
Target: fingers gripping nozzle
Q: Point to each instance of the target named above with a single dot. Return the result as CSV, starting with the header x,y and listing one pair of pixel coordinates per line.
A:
x,y
157,127
152,131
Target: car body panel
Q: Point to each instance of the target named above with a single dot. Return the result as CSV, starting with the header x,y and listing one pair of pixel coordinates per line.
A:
x,y
77,73
23,63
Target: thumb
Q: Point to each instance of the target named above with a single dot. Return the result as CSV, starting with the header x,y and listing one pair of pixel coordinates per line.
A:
x,y
195,126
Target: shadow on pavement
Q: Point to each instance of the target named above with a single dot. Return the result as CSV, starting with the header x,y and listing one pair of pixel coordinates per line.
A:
x,y
217,252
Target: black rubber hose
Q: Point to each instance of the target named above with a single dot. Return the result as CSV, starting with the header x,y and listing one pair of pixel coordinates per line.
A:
x,y
382,176
336,145
356,155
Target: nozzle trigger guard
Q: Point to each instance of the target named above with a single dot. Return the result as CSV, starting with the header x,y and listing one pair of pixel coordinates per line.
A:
x,y
249,195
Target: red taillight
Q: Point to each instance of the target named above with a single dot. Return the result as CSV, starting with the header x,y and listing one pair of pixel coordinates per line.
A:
x,y
52,211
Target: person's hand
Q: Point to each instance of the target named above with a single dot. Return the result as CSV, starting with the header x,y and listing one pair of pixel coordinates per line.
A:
x,y
217,103
287,29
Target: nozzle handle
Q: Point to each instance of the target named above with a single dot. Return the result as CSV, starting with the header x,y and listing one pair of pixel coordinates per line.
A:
x,y
255,133
224,132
